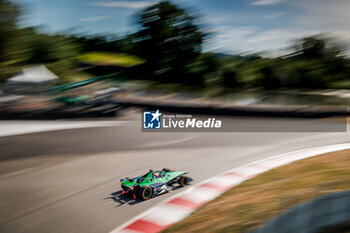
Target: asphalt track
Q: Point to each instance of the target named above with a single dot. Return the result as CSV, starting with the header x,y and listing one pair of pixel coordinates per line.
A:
x,y
62,181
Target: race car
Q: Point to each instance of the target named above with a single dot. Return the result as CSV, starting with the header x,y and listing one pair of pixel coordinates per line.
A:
x,y
153,183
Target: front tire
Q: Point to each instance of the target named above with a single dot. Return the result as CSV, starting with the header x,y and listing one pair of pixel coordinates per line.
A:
x,y
146,193
183,181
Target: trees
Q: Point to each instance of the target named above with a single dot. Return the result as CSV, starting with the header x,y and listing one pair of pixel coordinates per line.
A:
x,y
24,46
318,63
9,13
169,40
313,47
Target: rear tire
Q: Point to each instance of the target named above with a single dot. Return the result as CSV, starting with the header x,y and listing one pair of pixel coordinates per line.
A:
x,y
146,193
183,181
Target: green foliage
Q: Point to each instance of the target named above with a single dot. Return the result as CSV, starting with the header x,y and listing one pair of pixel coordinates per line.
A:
x,y
203,71
56,51
169,40
169,43
111,59
9,13
20,47
313,47
316,63
105,43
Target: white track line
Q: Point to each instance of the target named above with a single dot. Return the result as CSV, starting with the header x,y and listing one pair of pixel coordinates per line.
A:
x,y
165,214
12,128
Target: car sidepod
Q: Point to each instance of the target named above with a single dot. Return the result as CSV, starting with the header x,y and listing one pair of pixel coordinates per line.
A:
x,y
159,188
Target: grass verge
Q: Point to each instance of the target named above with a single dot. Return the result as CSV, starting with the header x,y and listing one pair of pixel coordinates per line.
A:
x,y
254,202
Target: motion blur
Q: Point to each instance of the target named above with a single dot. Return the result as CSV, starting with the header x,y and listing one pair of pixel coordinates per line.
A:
x,y
168,54
93,90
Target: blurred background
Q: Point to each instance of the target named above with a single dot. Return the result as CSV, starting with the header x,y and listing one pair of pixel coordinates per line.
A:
x,y
279,70
264,52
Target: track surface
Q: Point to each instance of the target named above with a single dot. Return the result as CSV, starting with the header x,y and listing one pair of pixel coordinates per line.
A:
x,y
62,181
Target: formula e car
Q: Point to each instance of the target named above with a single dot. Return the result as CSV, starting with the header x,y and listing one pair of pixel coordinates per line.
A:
x,y
153,183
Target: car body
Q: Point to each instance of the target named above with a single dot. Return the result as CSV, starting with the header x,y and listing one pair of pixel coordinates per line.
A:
x,y
153,183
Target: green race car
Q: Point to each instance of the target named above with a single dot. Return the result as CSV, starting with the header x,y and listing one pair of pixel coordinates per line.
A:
x,y
153,183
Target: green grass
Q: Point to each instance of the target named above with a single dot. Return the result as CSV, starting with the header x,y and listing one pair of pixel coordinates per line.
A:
x,y
343,84
254,202
110,59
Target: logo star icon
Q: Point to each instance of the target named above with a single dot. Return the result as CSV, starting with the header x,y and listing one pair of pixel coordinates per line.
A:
x,y
156,115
